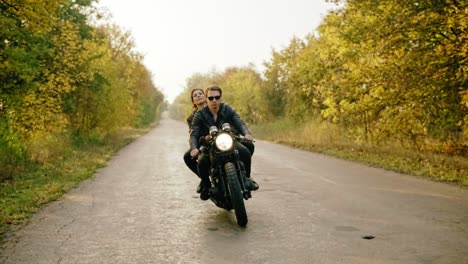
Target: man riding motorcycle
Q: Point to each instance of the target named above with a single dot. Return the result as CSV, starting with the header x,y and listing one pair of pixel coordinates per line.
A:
x,y
216,114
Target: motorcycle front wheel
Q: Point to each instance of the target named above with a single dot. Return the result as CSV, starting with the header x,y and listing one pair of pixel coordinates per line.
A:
x,y
237,198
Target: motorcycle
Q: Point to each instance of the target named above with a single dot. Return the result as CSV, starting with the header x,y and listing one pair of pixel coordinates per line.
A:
x,y
229,183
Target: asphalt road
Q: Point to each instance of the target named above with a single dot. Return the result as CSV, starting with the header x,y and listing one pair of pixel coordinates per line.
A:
x,y
311,208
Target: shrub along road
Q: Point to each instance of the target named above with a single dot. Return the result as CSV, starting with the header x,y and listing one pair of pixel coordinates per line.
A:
x,y
311,208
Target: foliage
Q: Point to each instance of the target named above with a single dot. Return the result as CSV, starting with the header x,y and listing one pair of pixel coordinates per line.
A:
x,y
40,183
387,72
376,74
324,137
182,105
242,91
11,154
60,75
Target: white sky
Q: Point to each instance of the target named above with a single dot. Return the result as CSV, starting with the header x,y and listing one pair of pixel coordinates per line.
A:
x,y
181,37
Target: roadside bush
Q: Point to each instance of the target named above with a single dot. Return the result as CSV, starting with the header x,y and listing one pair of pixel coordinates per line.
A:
x,y
45,146
11,158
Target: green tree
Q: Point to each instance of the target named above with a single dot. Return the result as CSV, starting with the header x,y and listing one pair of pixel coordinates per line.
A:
x,y
242,90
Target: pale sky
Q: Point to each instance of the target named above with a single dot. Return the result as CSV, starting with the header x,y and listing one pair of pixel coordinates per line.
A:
x,y
181,37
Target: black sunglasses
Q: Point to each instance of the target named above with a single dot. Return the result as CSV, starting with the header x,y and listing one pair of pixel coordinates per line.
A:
x,y
214,97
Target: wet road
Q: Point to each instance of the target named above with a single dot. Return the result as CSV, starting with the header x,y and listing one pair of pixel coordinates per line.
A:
x,y
142,208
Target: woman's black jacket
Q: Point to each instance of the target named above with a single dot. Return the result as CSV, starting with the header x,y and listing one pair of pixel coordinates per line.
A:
x,y
190,119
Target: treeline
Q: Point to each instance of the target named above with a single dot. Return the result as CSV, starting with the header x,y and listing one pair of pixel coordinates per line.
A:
x,y
385,72
65,77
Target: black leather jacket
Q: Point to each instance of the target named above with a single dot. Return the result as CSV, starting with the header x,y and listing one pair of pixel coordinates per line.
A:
x,y
190,119
203,120
189,123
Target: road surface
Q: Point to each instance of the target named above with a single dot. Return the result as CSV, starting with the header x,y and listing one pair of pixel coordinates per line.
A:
x,y
311,208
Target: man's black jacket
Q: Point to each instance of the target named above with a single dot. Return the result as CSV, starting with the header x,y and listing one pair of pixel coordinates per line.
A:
x,y
203,120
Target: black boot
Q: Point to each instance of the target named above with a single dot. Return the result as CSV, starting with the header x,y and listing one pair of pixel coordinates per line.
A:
x,y
204,190
255,185
251,185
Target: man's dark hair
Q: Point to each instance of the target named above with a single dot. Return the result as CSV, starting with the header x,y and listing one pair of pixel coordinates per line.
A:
x,y
214,88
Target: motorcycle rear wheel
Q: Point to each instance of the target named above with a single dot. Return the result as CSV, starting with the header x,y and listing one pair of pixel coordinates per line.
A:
x,y
237,199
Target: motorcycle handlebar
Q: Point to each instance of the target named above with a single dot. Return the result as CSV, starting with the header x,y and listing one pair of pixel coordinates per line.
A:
x,y
242,138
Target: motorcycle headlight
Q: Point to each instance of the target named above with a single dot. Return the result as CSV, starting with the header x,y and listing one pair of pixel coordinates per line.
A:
x,y
224,142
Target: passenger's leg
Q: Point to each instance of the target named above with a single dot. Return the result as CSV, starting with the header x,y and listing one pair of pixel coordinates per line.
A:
x,y
204,172
191,162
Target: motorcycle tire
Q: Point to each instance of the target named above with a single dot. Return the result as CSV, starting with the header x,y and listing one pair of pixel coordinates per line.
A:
x,y
237,199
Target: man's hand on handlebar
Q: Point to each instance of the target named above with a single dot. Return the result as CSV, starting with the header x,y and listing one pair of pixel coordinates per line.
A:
x,y
249,137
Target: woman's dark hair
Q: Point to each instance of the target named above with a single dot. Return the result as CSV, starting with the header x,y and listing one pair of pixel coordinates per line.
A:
x,y
191,96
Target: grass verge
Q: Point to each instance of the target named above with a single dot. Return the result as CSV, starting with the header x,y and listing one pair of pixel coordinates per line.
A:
x,y
327,139
42,183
